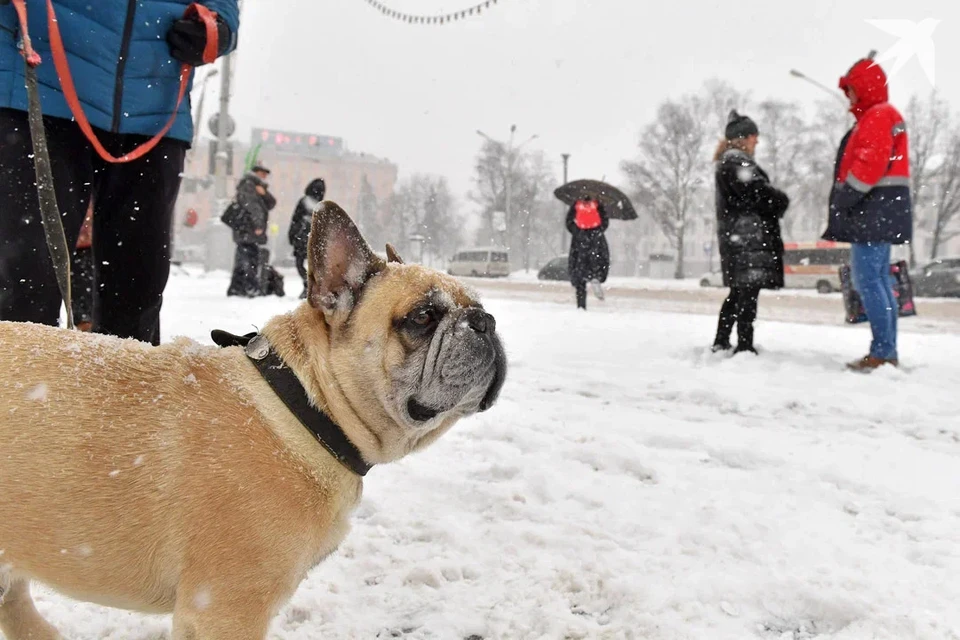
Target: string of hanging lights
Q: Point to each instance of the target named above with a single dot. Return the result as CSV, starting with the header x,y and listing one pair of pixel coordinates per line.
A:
x,y
443,18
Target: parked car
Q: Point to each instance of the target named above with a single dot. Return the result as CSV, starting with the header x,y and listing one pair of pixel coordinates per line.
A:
x,y
481,262
556,269
712,279
940,278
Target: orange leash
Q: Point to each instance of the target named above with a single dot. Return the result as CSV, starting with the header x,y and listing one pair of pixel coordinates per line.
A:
x,y
58,51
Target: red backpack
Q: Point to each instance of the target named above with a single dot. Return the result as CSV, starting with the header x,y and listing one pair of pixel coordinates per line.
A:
x,y
587,214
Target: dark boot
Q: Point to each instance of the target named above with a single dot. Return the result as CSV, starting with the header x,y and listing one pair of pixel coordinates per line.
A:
x,y
582,295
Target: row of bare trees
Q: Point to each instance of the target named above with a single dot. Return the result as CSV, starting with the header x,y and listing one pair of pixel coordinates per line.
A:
x,y
671,176
671,180
421,219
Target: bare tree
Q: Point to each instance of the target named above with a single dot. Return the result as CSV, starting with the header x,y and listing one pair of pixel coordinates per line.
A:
x,y
927,122
530,178
945,193
782,137
815,167
423,206
672,167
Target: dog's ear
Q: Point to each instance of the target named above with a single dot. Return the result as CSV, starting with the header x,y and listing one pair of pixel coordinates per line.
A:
x,y
339,260
392,255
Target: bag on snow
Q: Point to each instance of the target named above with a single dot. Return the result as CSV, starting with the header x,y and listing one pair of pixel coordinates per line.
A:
x,y
902,291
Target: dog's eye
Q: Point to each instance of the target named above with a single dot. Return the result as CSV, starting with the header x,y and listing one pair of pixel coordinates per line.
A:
x,y
423,317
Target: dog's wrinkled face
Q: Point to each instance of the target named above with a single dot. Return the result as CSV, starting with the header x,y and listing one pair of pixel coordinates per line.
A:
x,y
410,342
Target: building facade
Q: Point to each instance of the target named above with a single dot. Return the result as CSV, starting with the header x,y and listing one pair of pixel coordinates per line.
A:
x,y
360,183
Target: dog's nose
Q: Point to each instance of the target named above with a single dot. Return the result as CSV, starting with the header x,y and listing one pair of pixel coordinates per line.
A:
x,y
481,321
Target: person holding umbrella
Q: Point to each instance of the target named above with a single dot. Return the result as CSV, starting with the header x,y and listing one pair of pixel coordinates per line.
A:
x,y
749,209
592,205
589,259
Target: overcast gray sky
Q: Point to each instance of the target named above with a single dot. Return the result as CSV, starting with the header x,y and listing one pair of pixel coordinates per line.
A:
x,y
585,75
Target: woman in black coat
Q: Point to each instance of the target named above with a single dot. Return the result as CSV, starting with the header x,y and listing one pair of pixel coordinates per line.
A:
x,y
589,259
300,226
749,210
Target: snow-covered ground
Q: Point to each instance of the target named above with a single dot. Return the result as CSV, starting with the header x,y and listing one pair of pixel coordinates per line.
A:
x,y
632,485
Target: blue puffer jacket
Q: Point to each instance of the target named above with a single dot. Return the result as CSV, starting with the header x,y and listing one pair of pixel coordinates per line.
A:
x,y
119,58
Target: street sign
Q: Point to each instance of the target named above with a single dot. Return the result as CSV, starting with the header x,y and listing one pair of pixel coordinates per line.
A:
x,y
500,221
214,124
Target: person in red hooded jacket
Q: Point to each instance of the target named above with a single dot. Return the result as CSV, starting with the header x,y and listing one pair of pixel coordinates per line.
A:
x,y
870,204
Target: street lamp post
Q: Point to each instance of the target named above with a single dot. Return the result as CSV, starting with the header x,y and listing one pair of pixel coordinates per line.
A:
x,y
836,95
218,236
511,151
203,94
563,229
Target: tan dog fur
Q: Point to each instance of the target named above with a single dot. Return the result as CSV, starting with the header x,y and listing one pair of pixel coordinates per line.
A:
x,y
172,479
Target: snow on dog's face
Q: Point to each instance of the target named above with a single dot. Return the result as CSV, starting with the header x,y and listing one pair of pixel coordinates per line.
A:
x,y
411,348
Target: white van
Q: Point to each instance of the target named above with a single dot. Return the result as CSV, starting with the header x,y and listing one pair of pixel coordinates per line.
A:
x,y
481,262
814,265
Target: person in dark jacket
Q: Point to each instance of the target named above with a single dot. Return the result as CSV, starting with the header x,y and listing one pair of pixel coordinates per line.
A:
x,y
300,226
749,210
589,260
252,206
125,59
870,203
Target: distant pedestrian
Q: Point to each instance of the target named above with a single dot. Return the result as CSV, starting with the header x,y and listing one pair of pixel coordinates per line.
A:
x,y
300,226
749,210
870,205
589,260
247,216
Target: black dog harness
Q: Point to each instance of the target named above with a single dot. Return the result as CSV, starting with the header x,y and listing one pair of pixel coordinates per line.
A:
x,y
285,384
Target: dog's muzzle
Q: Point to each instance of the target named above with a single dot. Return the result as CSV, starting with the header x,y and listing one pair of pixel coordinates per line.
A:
x,y
469,363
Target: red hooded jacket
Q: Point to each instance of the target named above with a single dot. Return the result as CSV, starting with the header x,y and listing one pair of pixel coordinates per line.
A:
x,y
870,201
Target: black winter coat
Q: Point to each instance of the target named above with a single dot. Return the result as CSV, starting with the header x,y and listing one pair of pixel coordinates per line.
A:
x,y
302,218
254,209
589,254
748,223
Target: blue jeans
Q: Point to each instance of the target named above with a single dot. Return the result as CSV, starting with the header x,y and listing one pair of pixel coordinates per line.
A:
x,y
870,266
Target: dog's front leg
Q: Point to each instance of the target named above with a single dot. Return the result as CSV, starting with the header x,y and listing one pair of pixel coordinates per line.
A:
x,y
222,613
19,618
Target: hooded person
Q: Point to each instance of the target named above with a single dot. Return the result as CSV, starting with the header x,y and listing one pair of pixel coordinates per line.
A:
x,y
247,215
300,225
870,203
749,210
589,260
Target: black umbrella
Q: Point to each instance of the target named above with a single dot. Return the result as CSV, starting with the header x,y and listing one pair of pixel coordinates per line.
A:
x,y
616,204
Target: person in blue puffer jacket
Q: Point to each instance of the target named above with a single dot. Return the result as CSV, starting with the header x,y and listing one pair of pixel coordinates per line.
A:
x,y
125,57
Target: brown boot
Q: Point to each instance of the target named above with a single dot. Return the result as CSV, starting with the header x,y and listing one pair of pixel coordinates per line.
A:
x,y
867,364
85,326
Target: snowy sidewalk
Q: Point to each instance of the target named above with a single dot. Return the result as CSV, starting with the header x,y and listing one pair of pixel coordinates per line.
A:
x,y
631,485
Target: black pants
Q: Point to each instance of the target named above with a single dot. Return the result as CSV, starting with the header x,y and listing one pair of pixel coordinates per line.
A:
x,y
300,258
581,288
246,272
739,308
132,220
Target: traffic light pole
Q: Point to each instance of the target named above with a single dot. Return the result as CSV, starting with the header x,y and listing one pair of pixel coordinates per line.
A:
x,y
219,240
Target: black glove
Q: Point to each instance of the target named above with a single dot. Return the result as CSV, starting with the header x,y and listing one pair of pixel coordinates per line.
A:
x,y
188,38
